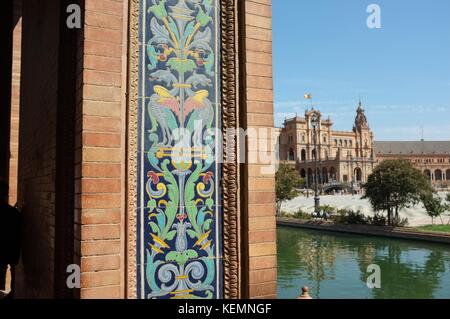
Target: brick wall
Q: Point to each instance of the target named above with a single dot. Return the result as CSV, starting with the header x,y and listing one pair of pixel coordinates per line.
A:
x,y
6,34
15,101
37,146
259,186
99,206
100,149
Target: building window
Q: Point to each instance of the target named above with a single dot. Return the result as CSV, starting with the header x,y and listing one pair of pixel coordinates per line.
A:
x,y
438,175
291,155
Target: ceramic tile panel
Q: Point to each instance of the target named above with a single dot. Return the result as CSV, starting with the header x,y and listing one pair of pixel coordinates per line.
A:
x,y
179,250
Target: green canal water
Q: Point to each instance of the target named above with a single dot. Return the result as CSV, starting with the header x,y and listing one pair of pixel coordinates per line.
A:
x,y
334,266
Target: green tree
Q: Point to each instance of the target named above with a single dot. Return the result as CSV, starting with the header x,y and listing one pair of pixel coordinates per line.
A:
x,y
395,185
448,205
287,181
434,206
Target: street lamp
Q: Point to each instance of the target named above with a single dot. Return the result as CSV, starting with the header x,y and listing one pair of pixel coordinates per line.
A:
x,y
315,125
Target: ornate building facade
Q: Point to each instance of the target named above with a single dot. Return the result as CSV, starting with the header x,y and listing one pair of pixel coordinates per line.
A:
x,y
431,158
343,156
351,156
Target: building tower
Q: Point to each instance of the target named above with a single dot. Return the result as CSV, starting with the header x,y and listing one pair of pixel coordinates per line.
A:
x,y
364,145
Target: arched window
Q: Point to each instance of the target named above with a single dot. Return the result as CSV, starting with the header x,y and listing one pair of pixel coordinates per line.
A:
x,y
310,177
438,175
291,155
325,139
303,173
325,175
358,174
333,174
303,157
427,173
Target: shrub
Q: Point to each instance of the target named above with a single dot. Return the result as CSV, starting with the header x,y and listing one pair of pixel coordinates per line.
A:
x,y
349,217
285,215
356,218
400,222
378,220
328,209
302,215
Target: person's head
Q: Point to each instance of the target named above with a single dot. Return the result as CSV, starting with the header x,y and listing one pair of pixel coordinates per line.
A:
x,y
4,189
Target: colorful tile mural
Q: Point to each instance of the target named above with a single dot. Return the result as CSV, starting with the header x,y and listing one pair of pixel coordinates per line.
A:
x,y
179,253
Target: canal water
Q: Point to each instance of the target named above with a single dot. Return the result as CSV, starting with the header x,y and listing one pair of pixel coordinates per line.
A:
x,y
334,266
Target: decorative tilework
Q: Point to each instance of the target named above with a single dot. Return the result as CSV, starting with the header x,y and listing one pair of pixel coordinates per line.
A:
x,y
179,253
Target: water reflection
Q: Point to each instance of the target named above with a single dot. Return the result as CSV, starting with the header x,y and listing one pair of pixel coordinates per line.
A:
x,y
335,265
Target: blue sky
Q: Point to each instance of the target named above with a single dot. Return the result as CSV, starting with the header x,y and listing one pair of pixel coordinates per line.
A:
x,y
401,71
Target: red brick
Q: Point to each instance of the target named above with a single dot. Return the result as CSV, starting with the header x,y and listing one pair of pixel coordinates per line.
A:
x,y
101,186
100,263
100,247
101,216
102,139
101,200
105,170
108,292
100,232
99,279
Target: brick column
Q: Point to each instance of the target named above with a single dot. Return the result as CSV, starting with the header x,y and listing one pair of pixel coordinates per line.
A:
x,y
15,102
259,186
101,150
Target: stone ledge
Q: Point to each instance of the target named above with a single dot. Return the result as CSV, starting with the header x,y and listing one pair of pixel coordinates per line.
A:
x,y
391,232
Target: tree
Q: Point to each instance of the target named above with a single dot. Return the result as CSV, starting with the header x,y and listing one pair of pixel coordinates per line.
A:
x,y
434,206
448,205
287,180
394,185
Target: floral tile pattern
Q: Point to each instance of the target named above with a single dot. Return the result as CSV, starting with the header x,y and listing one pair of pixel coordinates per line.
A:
x,y
179,210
